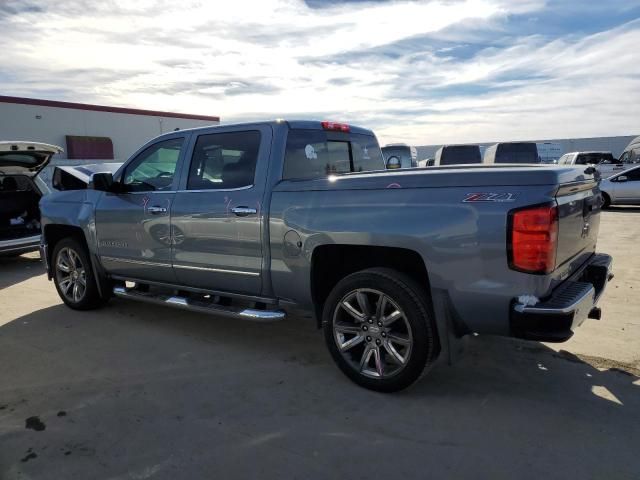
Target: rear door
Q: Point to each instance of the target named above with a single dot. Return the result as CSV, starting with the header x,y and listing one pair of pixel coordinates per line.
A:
x,y
133,225
218,215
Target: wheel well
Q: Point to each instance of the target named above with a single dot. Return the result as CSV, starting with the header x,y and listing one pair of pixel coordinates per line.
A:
x,y
54,233
331,263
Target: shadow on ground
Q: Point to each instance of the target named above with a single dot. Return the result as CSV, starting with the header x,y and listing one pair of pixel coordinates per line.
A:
x,y
136,391
18,269
623,209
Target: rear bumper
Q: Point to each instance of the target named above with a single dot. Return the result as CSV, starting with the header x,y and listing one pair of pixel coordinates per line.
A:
x,y
20,245
575,300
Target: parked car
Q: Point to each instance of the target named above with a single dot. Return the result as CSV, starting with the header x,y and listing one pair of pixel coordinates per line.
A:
x,y
399,155
252,221
605,162
622,188
512,152
457,155
20,192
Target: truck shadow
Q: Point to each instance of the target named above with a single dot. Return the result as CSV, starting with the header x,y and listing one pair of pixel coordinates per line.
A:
x,y
18,269
622,209
275,386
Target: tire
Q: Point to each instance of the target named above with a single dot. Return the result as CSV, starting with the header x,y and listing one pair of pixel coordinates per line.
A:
x,y
384,351
606,200
70,254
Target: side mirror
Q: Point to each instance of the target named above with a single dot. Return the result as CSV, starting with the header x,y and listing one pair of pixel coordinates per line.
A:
x,y
622,178
102,182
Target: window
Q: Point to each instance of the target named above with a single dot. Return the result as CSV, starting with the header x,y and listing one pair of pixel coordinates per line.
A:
x,y
224,160
594,158
634,156
633,175
154,168
456,155
517,153
314,154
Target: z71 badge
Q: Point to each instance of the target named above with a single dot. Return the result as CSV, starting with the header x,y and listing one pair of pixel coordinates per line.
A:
x,y
490,197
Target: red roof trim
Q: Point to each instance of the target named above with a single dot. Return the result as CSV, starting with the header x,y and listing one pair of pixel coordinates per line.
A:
x,y
102,108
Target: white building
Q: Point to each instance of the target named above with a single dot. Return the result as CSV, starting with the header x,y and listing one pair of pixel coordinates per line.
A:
x,y
88,133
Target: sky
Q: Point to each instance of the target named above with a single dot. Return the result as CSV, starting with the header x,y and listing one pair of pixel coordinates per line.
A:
x,y
427,72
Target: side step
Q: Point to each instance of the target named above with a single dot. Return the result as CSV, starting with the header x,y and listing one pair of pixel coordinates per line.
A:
x,y
201,306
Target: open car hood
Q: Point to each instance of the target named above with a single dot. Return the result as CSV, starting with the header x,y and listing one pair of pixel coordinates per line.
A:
x,y
69,177
25,158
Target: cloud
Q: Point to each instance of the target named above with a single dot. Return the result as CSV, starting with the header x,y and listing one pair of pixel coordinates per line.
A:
x,y
422,72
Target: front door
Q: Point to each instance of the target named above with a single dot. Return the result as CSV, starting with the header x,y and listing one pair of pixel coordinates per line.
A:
x,y
217,214
133,225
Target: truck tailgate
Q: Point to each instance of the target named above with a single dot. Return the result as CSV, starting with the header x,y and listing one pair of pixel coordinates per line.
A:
x,y
579,206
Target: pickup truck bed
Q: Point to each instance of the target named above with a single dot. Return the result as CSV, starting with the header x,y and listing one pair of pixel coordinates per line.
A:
x,y
256,220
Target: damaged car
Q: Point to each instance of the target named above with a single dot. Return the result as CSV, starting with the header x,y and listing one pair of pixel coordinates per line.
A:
x,y
20,193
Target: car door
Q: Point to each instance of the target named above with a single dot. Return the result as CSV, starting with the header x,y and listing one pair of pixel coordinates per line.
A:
x,y
628,191
133,225
217,216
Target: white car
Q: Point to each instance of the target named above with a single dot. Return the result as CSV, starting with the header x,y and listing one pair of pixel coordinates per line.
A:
x,y
622,188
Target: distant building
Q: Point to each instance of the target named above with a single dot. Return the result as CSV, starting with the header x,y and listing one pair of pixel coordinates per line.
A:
x,y
88,133
554,149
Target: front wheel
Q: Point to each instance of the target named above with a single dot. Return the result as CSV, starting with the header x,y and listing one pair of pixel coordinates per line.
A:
x,y
378,329
73,275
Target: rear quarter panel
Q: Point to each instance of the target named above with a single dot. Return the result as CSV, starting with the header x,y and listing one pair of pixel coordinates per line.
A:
x,y
463,245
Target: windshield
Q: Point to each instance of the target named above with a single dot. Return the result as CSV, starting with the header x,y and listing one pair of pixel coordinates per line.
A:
x,y
455,155
316,153
517,153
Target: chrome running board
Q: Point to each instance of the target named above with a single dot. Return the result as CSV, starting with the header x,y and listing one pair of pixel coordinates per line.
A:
x,y
201,306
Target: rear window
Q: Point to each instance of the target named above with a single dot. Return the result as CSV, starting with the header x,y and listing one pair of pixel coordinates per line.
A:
x,y
594,158
460,154
316,153
517,153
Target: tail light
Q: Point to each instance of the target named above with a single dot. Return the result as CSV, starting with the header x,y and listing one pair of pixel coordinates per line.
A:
x,y
533,239
336,127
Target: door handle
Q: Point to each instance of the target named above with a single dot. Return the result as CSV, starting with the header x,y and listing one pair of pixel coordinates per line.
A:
x,y
155,210
244,211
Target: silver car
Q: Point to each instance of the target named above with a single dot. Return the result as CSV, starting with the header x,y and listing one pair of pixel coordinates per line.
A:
x,y
622,188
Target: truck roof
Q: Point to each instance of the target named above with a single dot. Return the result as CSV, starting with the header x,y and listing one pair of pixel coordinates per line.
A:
x,y
297,124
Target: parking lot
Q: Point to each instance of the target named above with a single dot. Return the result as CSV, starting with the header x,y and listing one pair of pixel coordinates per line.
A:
x,y
137,391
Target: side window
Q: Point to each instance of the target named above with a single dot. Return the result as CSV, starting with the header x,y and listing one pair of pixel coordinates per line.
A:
x,y
582,159
634,157
224,160
633,175
154,168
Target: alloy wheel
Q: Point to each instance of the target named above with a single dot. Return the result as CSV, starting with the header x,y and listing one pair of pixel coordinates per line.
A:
x,y
372,333
71,275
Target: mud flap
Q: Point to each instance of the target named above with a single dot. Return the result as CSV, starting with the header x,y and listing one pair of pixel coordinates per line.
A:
x,y
452,335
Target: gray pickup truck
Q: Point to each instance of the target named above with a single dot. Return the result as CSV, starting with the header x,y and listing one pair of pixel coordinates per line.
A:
x,y
255,220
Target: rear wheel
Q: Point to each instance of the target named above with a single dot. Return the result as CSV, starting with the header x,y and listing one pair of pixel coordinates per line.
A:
x,y
73,276
378,329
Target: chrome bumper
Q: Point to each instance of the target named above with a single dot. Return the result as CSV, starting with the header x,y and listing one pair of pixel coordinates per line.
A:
x,y
575,300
